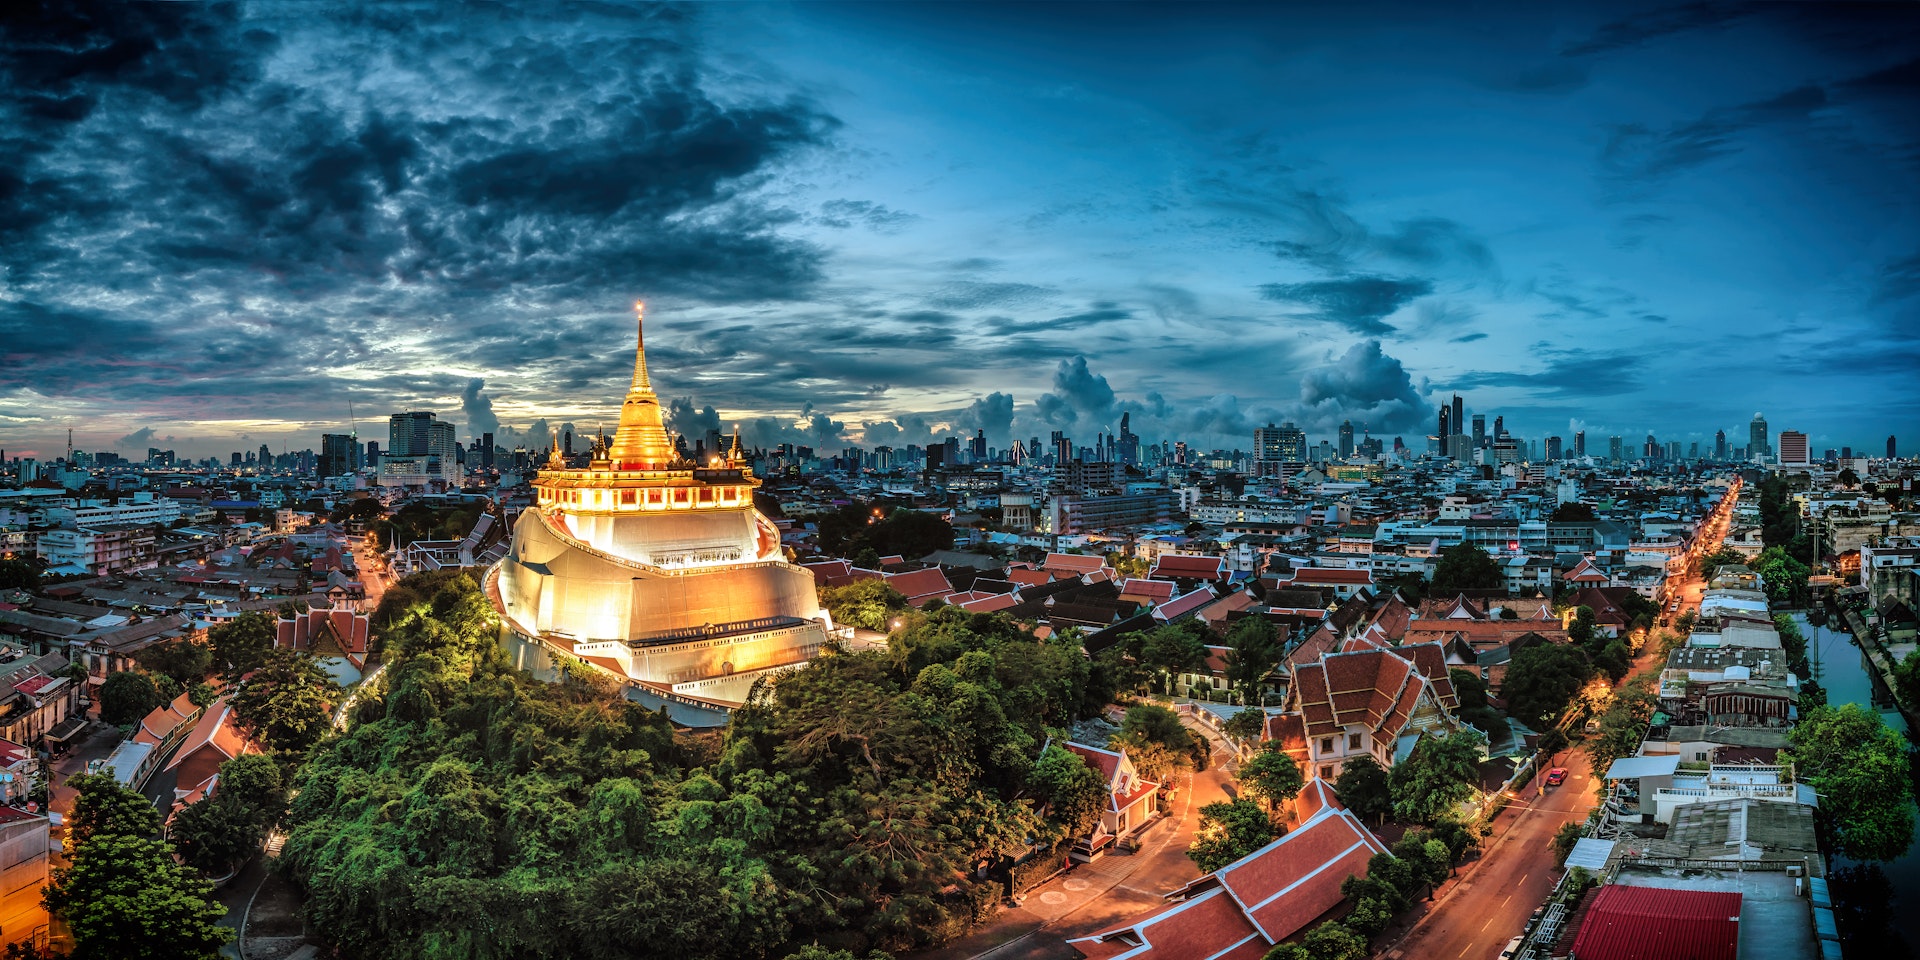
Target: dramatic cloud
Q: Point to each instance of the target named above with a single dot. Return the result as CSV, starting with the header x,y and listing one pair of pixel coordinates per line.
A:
x,y
478,408
1077,393
1360,304
992,413
692,422
1364,385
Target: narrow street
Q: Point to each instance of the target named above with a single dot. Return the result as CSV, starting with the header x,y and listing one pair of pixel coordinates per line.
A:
x,y
1098,896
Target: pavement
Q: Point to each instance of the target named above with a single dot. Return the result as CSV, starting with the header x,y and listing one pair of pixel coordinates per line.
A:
x,y
1094,897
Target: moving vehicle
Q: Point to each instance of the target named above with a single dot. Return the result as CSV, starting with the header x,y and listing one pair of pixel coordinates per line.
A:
x,y
1556,776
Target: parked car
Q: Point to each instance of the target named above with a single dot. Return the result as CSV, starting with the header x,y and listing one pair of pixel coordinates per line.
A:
x,y
1556,776
1512,948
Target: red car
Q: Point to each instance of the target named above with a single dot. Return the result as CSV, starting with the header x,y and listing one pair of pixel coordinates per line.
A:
x,y
1556,776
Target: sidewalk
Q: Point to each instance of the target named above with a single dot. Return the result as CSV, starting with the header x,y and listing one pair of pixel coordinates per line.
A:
x,y
1097,896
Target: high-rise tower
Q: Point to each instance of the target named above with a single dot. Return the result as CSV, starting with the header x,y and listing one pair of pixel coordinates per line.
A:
x,y
1758,442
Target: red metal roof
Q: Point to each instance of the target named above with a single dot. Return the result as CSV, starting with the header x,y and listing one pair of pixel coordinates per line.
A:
x,y
1332,575
1657,923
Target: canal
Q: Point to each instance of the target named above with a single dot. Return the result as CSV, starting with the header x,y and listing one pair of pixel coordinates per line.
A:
x,y
1879,904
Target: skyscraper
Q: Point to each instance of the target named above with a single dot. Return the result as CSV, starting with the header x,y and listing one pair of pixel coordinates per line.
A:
x,y
1614,449
1719,444
1459,417
1479,430
1446,428
1891,455
1499,427
1793,447
1129,443
1282,444
1757,442
1553,448
1579,444
337,454
1346,439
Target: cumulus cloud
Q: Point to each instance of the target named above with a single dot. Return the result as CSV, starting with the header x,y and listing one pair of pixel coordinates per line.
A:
x,y
992,413
688,420
140,438
1077,393
479,408
1364,385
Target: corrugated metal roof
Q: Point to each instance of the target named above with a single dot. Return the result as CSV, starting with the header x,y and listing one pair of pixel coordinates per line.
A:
x,y
1657,923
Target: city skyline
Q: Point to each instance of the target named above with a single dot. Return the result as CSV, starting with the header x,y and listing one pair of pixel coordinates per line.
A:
x,y
858,224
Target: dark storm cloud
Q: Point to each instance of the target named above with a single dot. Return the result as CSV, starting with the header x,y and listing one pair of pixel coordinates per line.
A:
x,y
151,157
1077,393
1360,304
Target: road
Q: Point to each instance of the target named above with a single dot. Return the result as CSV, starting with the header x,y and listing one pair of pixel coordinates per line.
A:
x,y
1474,918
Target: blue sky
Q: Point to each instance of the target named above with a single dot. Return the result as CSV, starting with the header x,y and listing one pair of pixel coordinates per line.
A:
x,y
887,222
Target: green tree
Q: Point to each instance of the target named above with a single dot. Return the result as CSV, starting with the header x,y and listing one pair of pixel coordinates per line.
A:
x,y
1271,776
1784,577
1428,857
121,893
1563,841
1723,557
186,661
1471,690
910,533
1362,786
1229,831
1246,725
285,700
1170,650
1334,940
17,574
871,604
1847,478
124,898
1465,566
127,696
102,806
1156,740
1073,792
213,835
1572,512
1541,680
1906,680
1253,651
1581,628
242,643
1859,766
1623,724
1437,776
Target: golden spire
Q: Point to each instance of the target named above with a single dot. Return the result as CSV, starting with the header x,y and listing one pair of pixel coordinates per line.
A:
x,y
734,455
641,441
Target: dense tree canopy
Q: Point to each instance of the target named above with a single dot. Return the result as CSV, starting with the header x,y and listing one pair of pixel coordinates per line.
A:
x,y
1475,709
285,700
1230,830
887,531
218,832
18,574
1362,786
470,811
1859,765
871,604
1723,557
187,661
242,643
1623,724
121,893
1253,651
1542,680
1465,566
1572,511
1271,776
1784,577
1072,792
1439,774
127,696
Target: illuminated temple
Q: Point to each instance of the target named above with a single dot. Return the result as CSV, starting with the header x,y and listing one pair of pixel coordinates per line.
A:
x,y
656,569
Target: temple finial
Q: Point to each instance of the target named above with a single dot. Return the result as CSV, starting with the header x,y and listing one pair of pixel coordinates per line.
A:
x,y
641,384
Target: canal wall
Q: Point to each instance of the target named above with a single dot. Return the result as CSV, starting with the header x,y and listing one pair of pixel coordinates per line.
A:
x,y
1883,660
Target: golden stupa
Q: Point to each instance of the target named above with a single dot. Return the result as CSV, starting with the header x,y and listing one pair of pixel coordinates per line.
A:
x,y
656,569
